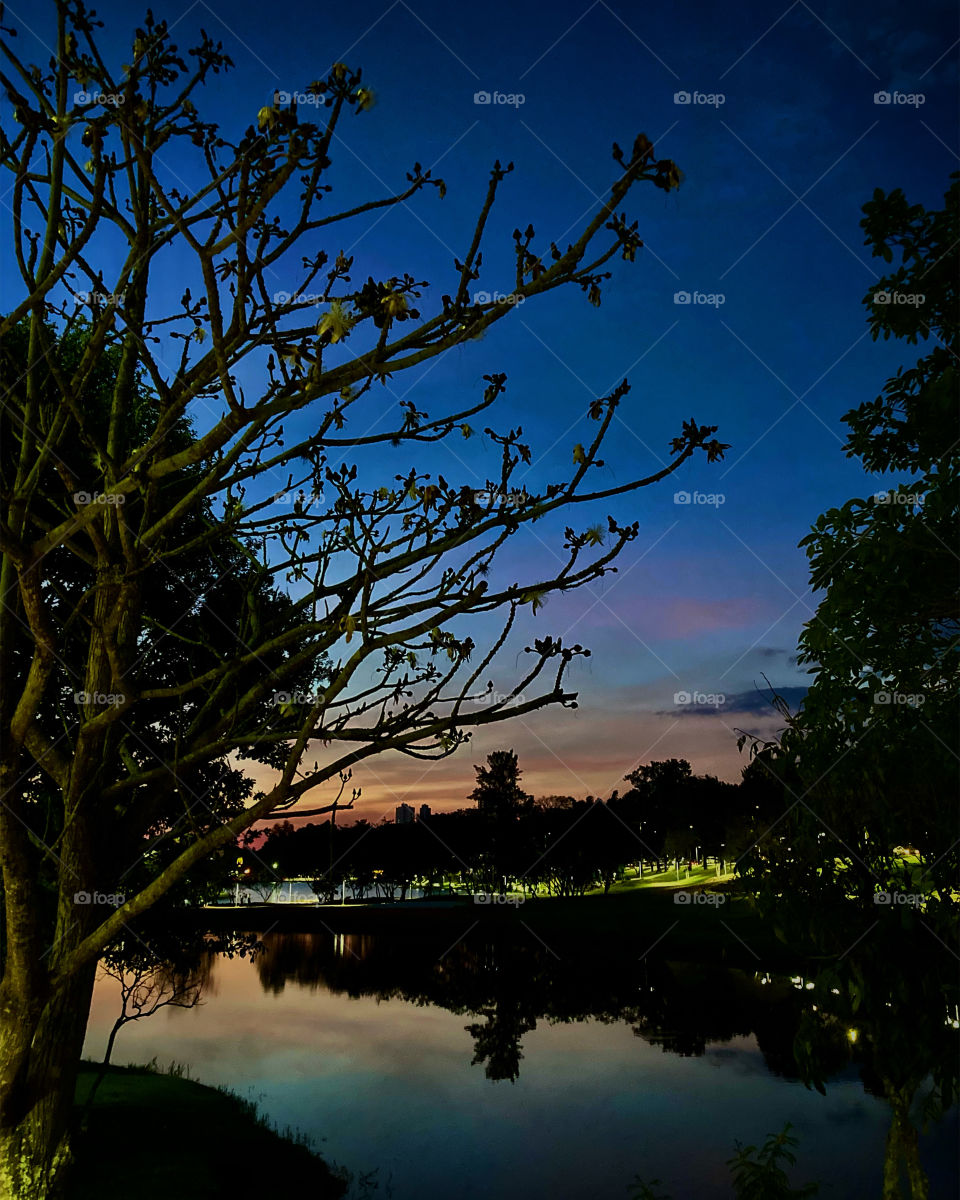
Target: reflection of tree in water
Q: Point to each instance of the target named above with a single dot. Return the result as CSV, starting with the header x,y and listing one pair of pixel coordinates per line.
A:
x,y
511,982
888,1008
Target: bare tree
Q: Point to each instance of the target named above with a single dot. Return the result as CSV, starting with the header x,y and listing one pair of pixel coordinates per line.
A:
x,y
327,630
145,988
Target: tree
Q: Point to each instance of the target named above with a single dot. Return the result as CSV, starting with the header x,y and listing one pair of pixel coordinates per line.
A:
x,y
498,789
328,630
868,763
500,802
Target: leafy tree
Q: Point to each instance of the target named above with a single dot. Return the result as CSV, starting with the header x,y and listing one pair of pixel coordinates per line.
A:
x,y
341,635
500,802
498,787
869,766
868,762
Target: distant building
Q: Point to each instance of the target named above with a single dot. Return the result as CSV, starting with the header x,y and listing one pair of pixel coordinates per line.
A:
x,y
405,814
424,812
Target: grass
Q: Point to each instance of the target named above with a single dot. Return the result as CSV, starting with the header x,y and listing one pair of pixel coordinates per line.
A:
x,y
162,1135
699,876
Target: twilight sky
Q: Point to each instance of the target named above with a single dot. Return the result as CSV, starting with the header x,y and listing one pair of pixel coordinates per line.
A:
x,y
782,140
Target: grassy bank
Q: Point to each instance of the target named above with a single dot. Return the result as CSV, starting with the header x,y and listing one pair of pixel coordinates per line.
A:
x,y
157,1136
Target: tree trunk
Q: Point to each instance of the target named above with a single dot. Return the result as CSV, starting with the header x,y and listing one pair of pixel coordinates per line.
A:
x,y
903,1146
39,1058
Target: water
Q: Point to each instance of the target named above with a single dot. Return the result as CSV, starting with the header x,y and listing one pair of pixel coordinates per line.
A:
x,y
488,1069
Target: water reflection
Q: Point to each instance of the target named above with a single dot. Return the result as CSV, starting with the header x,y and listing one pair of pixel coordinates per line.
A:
x,y
871,1017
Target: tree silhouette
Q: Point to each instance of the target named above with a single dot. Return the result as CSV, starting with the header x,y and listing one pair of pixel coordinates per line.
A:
x,y
371,579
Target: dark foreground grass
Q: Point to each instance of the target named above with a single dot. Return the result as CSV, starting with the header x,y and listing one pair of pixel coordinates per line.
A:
x,y
161,1136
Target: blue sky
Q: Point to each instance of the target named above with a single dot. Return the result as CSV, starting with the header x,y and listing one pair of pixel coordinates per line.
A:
x,y
710,597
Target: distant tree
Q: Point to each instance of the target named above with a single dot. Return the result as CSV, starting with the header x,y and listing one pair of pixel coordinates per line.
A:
x,y
550,802
498,787
500,801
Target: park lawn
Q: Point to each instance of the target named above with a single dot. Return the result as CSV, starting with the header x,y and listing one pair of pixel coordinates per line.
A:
x,y
696,878
156,1136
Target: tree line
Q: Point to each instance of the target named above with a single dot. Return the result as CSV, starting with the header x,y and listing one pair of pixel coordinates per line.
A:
x,y
512,842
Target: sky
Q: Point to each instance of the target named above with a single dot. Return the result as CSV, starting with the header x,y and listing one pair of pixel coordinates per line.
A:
x,y
784,118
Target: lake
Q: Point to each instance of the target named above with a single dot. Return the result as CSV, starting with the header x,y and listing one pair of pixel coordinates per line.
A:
x,y
500,1067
